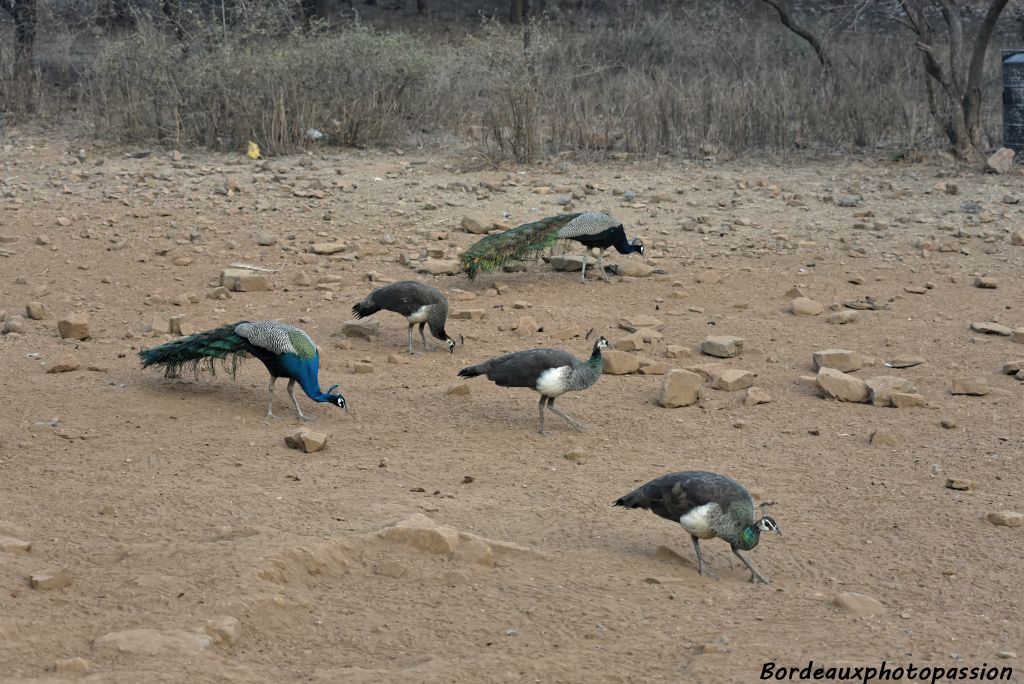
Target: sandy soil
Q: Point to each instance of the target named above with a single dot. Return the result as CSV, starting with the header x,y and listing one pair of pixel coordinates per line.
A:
x,y
173,503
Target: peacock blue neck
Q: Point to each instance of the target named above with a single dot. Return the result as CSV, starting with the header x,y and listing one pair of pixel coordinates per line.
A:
x,y
623,246
306,373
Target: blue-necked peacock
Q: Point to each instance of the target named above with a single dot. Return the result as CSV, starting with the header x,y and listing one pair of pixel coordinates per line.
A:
x,y
285,350
590,228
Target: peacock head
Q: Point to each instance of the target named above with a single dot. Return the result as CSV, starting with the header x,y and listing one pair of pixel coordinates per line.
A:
x,y
336,399
637,246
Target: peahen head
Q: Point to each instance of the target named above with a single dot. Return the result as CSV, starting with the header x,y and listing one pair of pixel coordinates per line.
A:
x,y
336,399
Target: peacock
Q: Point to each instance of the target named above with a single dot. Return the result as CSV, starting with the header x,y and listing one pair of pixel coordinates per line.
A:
x,y
707,505
285,350
551,372
590,228
418,302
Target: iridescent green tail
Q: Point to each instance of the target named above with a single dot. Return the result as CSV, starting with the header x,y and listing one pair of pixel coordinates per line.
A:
x,y
202,349
515,244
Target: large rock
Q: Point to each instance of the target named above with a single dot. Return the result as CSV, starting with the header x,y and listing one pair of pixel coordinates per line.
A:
x,y
619,362
477,223
841,359
722,346
151,642
733,379
422,533
842,387
1001,161
632,342
858,604
440,267
883,386
75,327
243,280
680,388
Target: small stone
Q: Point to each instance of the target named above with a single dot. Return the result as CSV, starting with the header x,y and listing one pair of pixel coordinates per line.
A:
x,y
634,342
567,333
991,328
150,642
224,629
651,367
794,292
675,351
474,552
459,389
75,326
986,283
477,224
35,310
633,268
160,325
1006,655
733,379
49,580
571,263
577,456
180,325
709,277
722,346
65,364
266,239
843,317
858,604
14,324
422,533
360,328
244,280
219,293
14,546
327,248
976,387
1006,518
883,438
390,568
948,423
72,666
1001,161
756,395
440,267
680,388
907,400
960,485
1018,336
639,322
394,359
183,261
527,325
841,359
883,386
842,387
1013,367
521,305
618,362
306,440
362,367
802,306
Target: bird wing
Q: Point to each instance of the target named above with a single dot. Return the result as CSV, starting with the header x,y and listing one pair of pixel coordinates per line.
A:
x,y
274,336
588,223
406,297
522,368
675,494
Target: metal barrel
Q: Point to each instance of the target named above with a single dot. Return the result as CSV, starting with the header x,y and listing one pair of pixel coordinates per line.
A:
x,y
1013,100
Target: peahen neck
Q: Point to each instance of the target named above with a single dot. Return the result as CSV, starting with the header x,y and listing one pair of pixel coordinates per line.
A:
x,y
748,538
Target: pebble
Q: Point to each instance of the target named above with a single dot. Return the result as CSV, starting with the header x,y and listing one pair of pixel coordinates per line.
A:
x,y
306,440
150,642
75,326
527,325
842,317
722,346
992,328
65,364
14,324
72,665
458,389
709,277
360,328
633,342
224,630
986,283
680,388
266,239
756,395
675,351
639,322
13,545
576,455
477,224
883,438
948,423
362,367
733,379
882,387
802,306
244,280
35,310
49,580
960,485
969,386
1006,518
440,267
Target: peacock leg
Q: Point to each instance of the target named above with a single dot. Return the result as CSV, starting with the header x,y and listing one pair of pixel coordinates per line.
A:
x,y
426,347
755,576
700,558
270,399
411,352
600,266
540,406
291,393
583,275
569,419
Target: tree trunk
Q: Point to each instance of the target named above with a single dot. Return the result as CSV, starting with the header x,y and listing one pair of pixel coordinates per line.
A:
x,y
805,33
24,14
517,12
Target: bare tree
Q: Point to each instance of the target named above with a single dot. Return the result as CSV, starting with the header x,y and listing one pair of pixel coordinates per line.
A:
x,y
24,14
786,17
954,79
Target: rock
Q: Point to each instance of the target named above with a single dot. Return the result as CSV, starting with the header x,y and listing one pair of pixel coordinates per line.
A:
x,y
652,367
633,268
882,387
986,283
618,362
440,267
842,387
802,306
675,351
948,423
224,629
639,322
306,440
709,277
458,389
733,379
366,327
1006,518
756,395
362,367
960,485
842,317
180,325
160,325
526,325
266,240
907,400
680,388
474,552
14,324
151,642
991,328
422,533
477,224
35,310
576,455
976,387
858,604
65,364
722,346
1001,161
244,280
326,248
883,438
567,333
390,568
569,262
48,580
219,293
841,359
904,362
1018,336
75,326
72,666
634,342
13,545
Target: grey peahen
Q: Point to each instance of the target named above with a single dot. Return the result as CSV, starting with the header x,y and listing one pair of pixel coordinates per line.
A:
x,y
286,351
590,228
707,505
418,302
551,372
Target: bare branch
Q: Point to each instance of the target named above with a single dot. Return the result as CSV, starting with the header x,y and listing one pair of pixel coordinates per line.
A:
x,y
803,32
981,42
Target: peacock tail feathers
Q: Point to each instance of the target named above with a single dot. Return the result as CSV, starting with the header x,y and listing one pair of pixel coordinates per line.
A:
x,y
202,350
514,244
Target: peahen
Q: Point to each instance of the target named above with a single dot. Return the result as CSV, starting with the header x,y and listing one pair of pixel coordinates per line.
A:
x,y
707,505
286,351
590,228
418,302
551,372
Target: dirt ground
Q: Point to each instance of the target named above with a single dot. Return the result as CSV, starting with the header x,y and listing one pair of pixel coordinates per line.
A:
x,y
178,509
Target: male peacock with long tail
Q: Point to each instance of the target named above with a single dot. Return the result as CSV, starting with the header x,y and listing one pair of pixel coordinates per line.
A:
x,y
589,228
285,350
